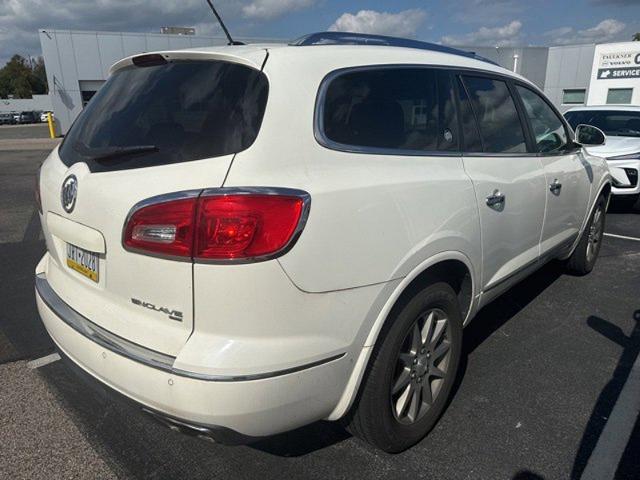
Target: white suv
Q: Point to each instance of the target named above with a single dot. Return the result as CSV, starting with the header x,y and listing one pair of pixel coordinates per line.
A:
x,y
247,239
622,126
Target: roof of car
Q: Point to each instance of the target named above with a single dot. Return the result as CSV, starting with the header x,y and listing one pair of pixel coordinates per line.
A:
x,y
339,52
617,108
349,38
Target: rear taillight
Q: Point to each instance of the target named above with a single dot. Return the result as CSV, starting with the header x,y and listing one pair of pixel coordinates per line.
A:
x,y
219,225
164,228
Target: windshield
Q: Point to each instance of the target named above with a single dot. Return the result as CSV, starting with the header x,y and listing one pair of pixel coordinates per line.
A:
x,y
178,111
611,122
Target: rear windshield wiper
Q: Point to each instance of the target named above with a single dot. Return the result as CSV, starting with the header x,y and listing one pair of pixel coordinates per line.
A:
x,y
107,153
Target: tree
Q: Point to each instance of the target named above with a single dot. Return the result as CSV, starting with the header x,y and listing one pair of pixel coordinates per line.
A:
x,y
636,37
22,78
39,77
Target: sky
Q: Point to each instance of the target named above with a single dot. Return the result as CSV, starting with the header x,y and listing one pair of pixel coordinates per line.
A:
x,y
452,22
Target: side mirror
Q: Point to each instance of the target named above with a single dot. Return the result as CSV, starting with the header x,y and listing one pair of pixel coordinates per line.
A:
x,y
590,136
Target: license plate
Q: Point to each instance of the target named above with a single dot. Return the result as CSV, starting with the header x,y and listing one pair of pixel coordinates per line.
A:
x,y
82,261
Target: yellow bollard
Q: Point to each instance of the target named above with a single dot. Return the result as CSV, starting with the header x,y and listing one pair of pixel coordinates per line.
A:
x,y
52,129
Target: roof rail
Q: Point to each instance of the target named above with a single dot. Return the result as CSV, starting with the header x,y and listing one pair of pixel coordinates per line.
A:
x,y
348,38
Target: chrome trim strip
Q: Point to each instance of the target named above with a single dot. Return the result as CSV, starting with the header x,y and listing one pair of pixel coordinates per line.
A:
x,y
98,334
141,354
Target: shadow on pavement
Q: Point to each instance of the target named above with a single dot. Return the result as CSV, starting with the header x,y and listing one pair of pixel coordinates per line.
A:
x,y
609,395
527,475
24,334
620,204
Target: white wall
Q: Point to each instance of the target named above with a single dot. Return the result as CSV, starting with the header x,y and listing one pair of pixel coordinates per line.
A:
x,y
615,65
568,68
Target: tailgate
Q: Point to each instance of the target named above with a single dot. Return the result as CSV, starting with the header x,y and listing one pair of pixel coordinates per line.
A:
x,y
144,299
158,126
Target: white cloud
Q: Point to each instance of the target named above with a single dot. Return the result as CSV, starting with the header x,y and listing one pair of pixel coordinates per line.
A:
x,y
403,24
268,9
605,31
487,12
505,36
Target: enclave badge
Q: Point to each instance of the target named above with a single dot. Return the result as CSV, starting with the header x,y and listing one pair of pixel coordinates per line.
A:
x,y
69,193
172,314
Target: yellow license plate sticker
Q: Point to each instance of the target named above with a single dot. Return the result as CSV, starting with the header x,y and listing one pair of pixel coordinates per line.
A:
x,y
82,261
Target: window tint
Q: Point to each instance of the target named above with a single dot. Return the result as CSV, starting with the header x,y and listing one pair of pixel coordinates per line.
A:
x,y
619,96
392,108
548,130
187,110
573,96
496,114
611,122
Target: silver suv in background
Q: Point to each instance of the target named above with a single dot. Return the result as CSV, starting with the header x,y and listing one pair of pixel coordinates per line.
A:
x,y
621,124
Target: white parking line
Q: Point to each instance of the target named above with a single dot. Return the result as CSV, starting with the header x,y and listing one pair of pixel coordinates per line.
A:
x,y
613,440
624,237
41,362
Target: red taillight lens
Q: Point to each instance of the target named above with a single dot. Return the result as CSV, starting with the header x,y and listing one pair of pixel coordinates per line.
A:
x,y
163,228
242,226
217,226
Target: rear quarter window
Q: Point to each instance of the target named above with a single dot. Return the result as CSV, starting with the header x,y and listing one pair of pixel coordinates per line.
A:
x,y
407,110
188,110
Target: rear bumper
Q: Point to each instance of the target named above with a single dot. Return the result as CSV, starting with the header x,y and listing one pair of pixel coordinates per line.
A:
x,y
231,409
216,433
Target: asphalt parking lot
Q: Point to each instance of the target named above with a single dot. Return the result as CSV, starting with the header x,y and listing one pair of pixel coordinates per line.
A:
x,y
548,388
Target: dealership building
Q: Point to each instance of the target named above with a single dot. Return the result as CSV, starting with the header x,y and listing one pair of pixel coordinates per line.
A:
x,y
78,62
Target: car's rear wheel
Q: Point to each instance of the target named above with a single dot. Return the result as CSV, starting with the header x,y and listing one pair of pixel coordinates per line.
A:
x,y
411,372
586,253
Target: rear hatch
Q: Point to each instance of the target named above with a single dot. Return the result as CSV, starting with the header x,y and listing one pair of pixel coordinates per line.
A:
x,y
168,124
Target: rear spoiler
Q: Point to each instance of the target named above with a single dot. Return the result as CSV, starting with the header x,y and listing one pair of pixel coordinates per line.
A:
x,y
251,57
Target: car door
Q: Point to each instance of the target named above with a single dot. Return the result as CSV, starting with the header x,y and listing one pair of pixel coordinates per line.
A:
x,y
508,178
567,177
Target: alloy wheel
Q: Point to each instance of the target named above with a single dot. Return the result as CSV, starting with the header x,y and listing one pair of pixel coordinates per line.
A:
x,y
595,234
421,366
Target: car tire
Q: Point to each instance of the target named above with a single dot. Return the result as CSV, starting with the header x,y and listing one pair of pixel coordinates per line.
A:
x,y
384,414
584,257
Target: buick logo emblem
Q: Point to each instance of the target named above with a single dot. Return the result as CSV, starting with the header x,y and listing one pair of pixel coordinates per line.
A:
x,y
69,193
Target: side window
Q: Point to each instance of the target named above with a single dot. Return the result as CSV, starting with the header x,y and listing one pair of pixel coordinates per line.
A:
x,y
392,108
497,116
470,132
548,130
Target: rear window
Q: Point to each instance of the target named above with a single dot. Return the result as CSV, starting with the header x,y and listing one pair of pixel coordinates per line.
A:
x,y
168,113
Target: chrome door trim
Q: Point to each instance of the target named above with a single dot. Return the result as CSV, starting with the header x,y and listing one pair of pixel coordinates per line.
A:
x,y
144,355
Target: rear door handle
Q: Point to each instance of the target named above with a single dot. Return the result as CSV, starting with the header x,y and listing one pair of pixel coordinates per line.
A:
x,y
555,186
496,198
